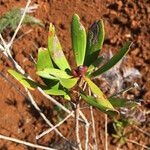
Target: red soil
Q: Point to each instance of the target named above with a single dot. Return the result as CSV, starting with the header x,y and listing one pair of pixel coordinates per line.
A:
x,y
124,20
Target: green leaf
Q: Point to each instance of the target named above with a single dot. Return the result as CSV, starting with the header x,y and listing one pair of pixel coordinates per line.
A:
x,y
23,80
101,98
68,83
78,40
55,89
44,60
95,41
120,102
100,104
117,102
113,61
54,92
52,73
55,50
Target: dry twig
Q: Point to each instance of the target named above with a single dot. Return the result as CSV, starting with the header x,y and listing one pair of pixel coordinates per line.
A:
x,y
106,135
136,143
25,143
77,126
93,125
54,127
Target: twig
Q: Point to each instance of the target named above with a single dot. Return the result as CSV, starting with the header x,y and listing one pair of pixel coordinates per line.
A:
x,y
94,130
13,85
25,143
51,129
77,126
1,48
135,85
86,134
54,101
93,125
106,135
3,41
27,32
144,132
134,142
86,122
19,25
42,115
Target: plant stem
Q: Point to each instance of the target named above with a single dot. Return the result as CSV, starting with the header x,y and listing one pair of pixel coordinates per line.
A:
x,y
93,125
106,135
94,130
77,126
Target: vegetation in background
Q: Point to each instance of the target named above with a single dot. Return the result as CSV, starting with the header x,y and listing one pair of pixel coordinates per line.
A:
x,y
11,18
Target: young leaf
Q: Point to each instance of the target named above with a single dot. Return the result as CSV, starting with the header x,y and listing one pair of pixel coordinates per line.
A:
x,y
23,80
101,98
95,41
68,83
100,104
44,60
55,50
78,40
113,61
52,73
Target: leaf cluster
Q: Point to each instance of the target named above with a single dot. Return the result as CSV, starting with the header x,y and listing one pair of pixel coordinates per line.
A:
x,y
59,78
